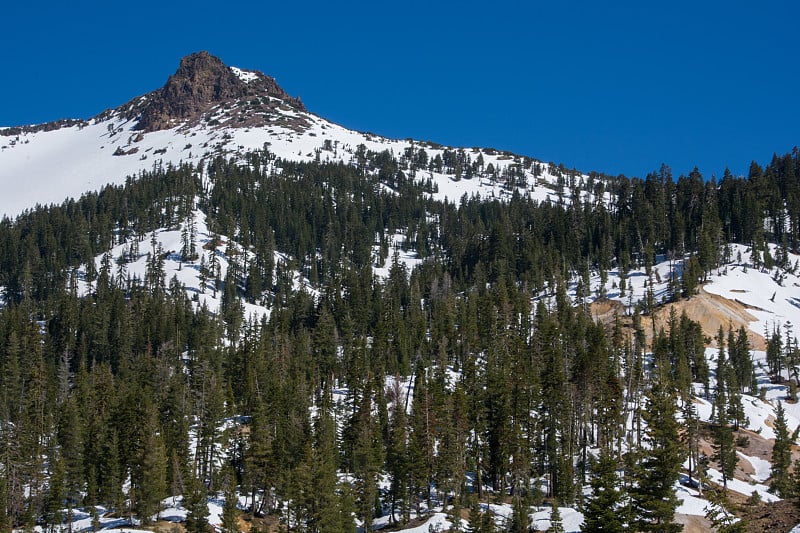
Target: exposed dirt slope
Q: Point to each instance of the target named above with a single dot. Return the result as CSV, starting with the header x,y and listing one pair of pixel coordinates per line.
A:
x,y
713,311
710,310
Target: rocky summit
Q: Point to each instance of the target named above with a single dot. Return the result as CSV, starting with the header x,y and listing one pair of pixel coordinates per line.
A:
x,y
202,83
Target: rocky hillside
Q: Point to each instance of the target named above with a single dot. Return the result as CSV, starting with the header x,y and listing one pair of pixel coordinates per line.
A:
x,y
202,83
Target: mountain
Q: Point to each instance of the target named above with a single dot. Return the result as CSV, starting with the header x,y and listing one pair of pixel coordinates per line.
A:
x,y
205,110
211,294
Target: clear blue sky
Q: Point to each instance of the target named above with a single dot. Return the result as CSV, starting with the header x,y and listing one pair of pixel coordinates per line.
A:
x,y
619,87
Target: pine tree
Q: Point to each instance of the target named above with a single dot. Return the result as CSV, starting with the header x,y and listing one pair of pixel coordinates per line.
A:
x,y
604,508
56,493
231,307
151,482
259,468
520,520
71,441
480,521
366,462
421,443
781,455
775,360
691,438
397,463
5,520
724,444
653,496
721,518
326,514
230,514
196,506
204,274
556,524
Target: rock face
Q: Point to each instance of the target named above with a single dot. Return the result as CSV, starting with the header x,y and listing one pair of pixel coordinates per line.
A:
x,y
201,82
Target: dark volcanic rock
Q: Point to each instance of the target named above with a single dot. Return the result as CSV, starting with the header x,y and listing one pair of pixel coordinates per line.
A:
x,y
201,82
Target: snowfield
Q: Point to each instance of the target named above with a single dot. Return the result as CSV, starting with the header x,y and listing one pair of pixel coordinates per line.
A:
x,y
47,167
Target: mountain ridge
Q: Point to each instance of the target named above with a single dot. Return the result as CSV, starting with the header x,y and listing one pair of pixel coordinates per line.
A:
x,y
229,112
200,82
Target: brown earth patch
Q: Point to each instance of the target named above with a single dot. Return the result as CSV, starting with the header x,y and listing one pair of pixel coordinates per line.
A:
x,y
693,523
749,443
712,311
778,517
268,523
604,310
162,526
757,446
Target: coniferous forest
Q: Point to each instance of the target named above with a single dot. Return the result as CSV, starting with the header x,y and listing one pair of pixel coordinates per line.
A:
x,y
475,377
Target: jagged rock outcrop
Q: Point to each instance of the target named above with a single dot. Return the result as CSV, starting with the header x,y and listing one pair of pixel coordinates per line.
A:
x,y
202,82
202,89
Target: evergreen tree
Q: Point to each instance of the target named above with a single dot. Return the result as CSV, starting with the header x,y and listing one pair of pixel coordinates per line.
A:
x,y
397,460
230,514
327,513
56,493
691,438
604,510
781,455
480,521
724,444
151,481
520,520
196,505
721,518
5,519
652,495
556,525
366,462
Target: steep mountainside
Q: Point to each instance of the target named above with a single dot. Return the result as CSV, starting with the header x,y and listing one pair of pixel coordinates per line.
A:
x,y
332,331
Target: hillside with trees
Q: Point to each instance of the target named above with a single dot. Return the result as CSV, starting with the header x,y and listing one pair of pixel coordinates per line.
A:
x,y
477,378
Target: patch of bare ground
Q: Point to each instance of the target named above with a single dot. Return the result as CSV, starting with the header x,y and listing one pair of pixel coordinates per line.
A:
x,y
415,522
693,523
754,446
712,311
604,310
162,526
778,517
267,524
749,443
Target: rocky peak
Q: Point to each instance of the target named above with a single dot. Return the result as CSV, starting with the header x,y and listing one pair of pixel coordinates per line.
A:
x,y
201,82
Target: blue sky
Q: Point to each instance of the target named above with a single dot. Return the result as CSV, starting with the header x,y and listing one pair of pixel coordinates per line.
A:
x,y
619,87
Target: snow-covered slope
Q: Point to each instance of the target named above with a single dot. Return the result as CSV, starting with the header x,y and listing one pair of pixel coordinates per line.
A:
x,y
44,165
771,296
49,166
